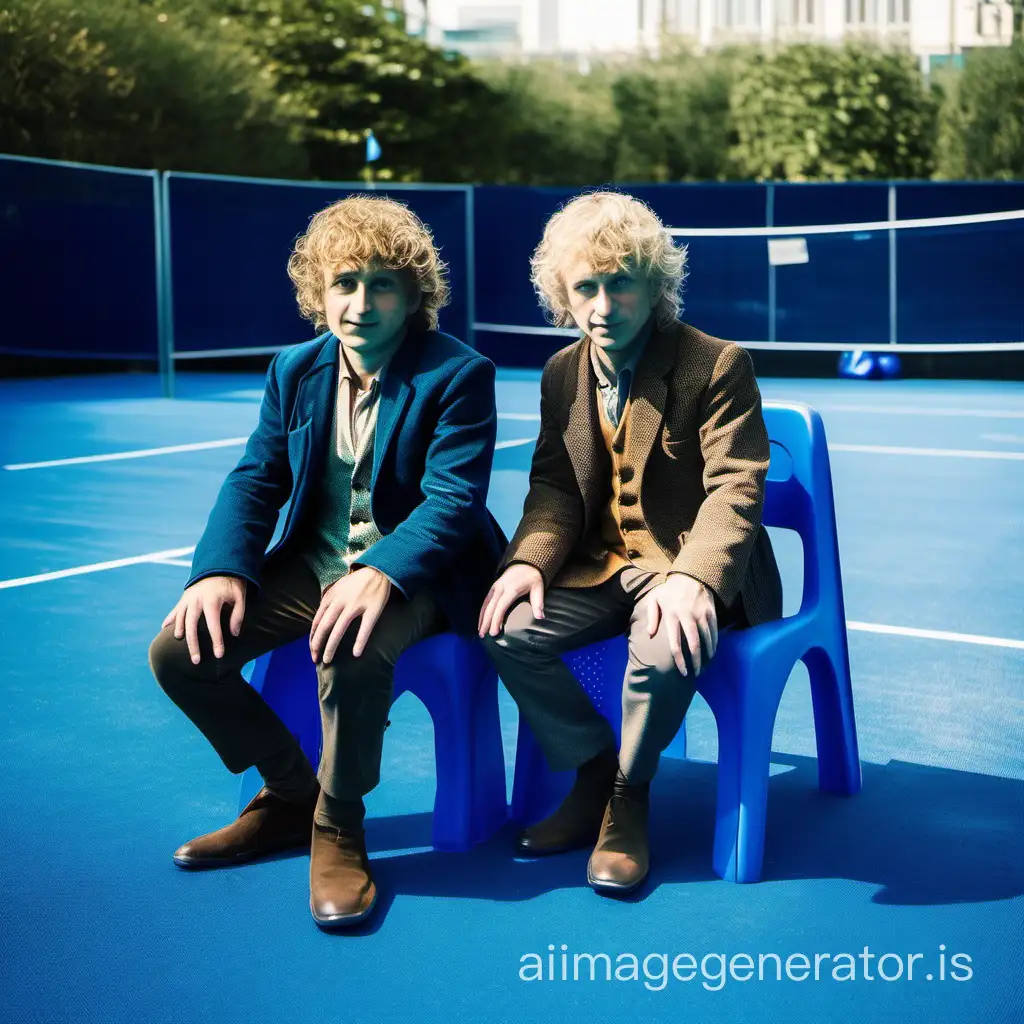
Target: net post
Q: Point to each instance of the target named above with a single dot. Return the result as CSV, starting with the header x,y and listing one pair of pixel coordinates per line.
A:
x,y
769,220
892,265
470,266
164,310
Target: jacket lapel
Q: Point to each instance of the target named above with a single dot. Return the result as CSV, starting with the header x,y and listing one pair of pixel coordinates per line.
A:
x,y
647,398
581,432
396,390
314,396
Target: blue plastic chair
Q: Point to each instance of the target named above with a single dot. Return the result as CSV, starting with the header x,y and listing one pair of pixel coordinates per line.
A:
x,y
457,684
743,684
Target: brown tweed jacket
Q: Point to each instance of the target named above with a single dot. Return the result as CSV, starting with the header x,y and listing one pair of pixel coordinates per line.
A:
x,y
693,466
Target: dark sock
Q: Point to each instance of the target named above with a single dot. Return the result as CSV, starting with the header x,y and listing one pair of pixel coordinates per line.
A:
x,y
335,813
289,775
633,790
599,770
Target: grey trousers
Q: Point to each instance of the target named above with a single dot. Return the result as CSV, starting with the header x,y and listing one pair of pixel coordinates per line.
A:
x,y
355,693
569,729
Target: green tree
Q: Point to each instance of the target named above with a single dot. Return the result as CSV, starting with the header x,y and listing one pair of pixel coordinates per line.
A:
x,y
675,121
554,124
109,81
349,66
982,123
814,112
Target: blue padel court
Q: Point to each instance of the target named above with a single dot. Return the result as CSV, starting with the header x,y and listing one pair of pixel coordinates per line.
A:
x,y
106,489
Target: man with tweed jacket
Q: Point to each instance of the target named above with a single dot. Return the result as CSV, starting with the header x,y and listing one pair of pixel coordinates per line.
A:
x,y
643,517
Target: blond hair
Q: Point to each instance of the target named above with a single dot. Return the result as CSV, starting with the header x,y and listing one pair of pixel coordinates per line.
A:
x,y
366,230
609,230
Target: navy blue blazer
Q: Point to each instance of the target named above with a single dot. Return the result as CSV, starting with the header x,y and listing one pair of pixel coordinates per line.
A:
x,y
433,446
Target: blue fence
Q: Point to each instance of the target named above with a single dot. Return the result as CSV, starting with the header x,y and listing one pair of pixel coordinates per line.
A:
x,y
135,264
78,251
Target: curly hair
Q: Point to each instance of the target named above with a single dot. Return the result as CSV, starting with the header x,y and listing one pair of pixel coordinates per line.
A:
x,y
364,229
609,230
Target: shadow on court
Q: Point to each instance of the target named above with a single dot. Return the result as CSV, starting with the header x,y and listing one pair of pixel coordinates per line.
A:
x,y
925,836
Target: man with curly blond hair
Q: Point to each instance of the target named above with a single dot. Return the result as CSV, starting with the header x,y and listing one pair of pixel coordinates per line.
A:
x,y
381,432
643,517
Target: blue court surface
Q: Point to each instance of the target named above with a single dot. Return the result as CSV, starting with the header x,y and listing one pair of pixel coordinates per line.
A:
x,y
102,777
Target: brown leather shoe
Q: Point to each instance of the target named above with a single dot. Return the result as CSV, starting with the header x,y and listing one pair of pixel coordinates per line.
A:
x,y
341,889
266,825
620,859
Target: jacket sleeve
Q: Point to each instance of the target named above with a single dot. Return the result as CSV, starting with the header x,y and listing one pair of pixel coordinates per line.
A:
x,y
246,511
553,514
454,487
734,444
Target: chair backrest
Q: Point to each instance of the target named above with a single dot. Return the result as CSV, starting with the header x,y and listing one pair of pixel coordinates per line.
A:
x,y
798,495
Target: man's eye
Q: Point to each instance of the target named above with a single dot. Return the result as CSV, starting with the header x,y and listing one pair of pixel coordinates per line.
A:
x,y
383,284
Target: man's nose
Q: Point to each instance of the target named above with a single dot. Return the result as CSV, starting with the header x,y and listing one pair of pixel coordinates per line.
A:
x,y
603,302
361,299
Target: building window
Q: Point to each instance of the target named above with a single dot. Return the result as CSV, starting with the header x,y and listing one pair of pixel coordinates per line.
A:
x,y
739,14
865,12
899,12
798,12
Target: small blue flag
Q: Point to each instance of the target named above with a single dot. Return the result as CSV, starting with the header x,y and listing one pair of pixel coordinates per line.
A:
x,y
372,148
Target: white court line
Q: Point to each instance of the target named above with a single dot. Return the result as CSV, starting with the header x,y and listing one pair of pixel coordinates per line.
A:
x,y
873,449
81,570
1005,438
953,453
532,417
227,442
138,453
231,441
172,561
922,410
164,557
936,634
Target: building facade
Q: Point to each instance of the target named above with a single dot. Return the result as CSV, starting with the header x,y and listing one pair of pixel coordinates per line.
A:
x,y
938,31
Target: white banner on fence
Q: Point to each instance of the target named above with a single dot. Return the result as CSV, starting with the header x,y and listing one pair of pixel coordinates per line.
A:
x,y
784,252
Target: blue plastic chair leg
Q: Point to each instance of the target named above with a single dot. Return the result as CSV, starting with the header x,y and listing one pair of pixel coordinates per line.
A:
x,y
744,757
287,681
536,790
834,726
469,802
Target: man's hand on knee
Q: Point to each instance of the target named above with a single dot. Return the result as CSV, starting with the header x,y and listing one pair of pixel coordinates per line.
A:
x,y
364,593
207,598
687,608
515,582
